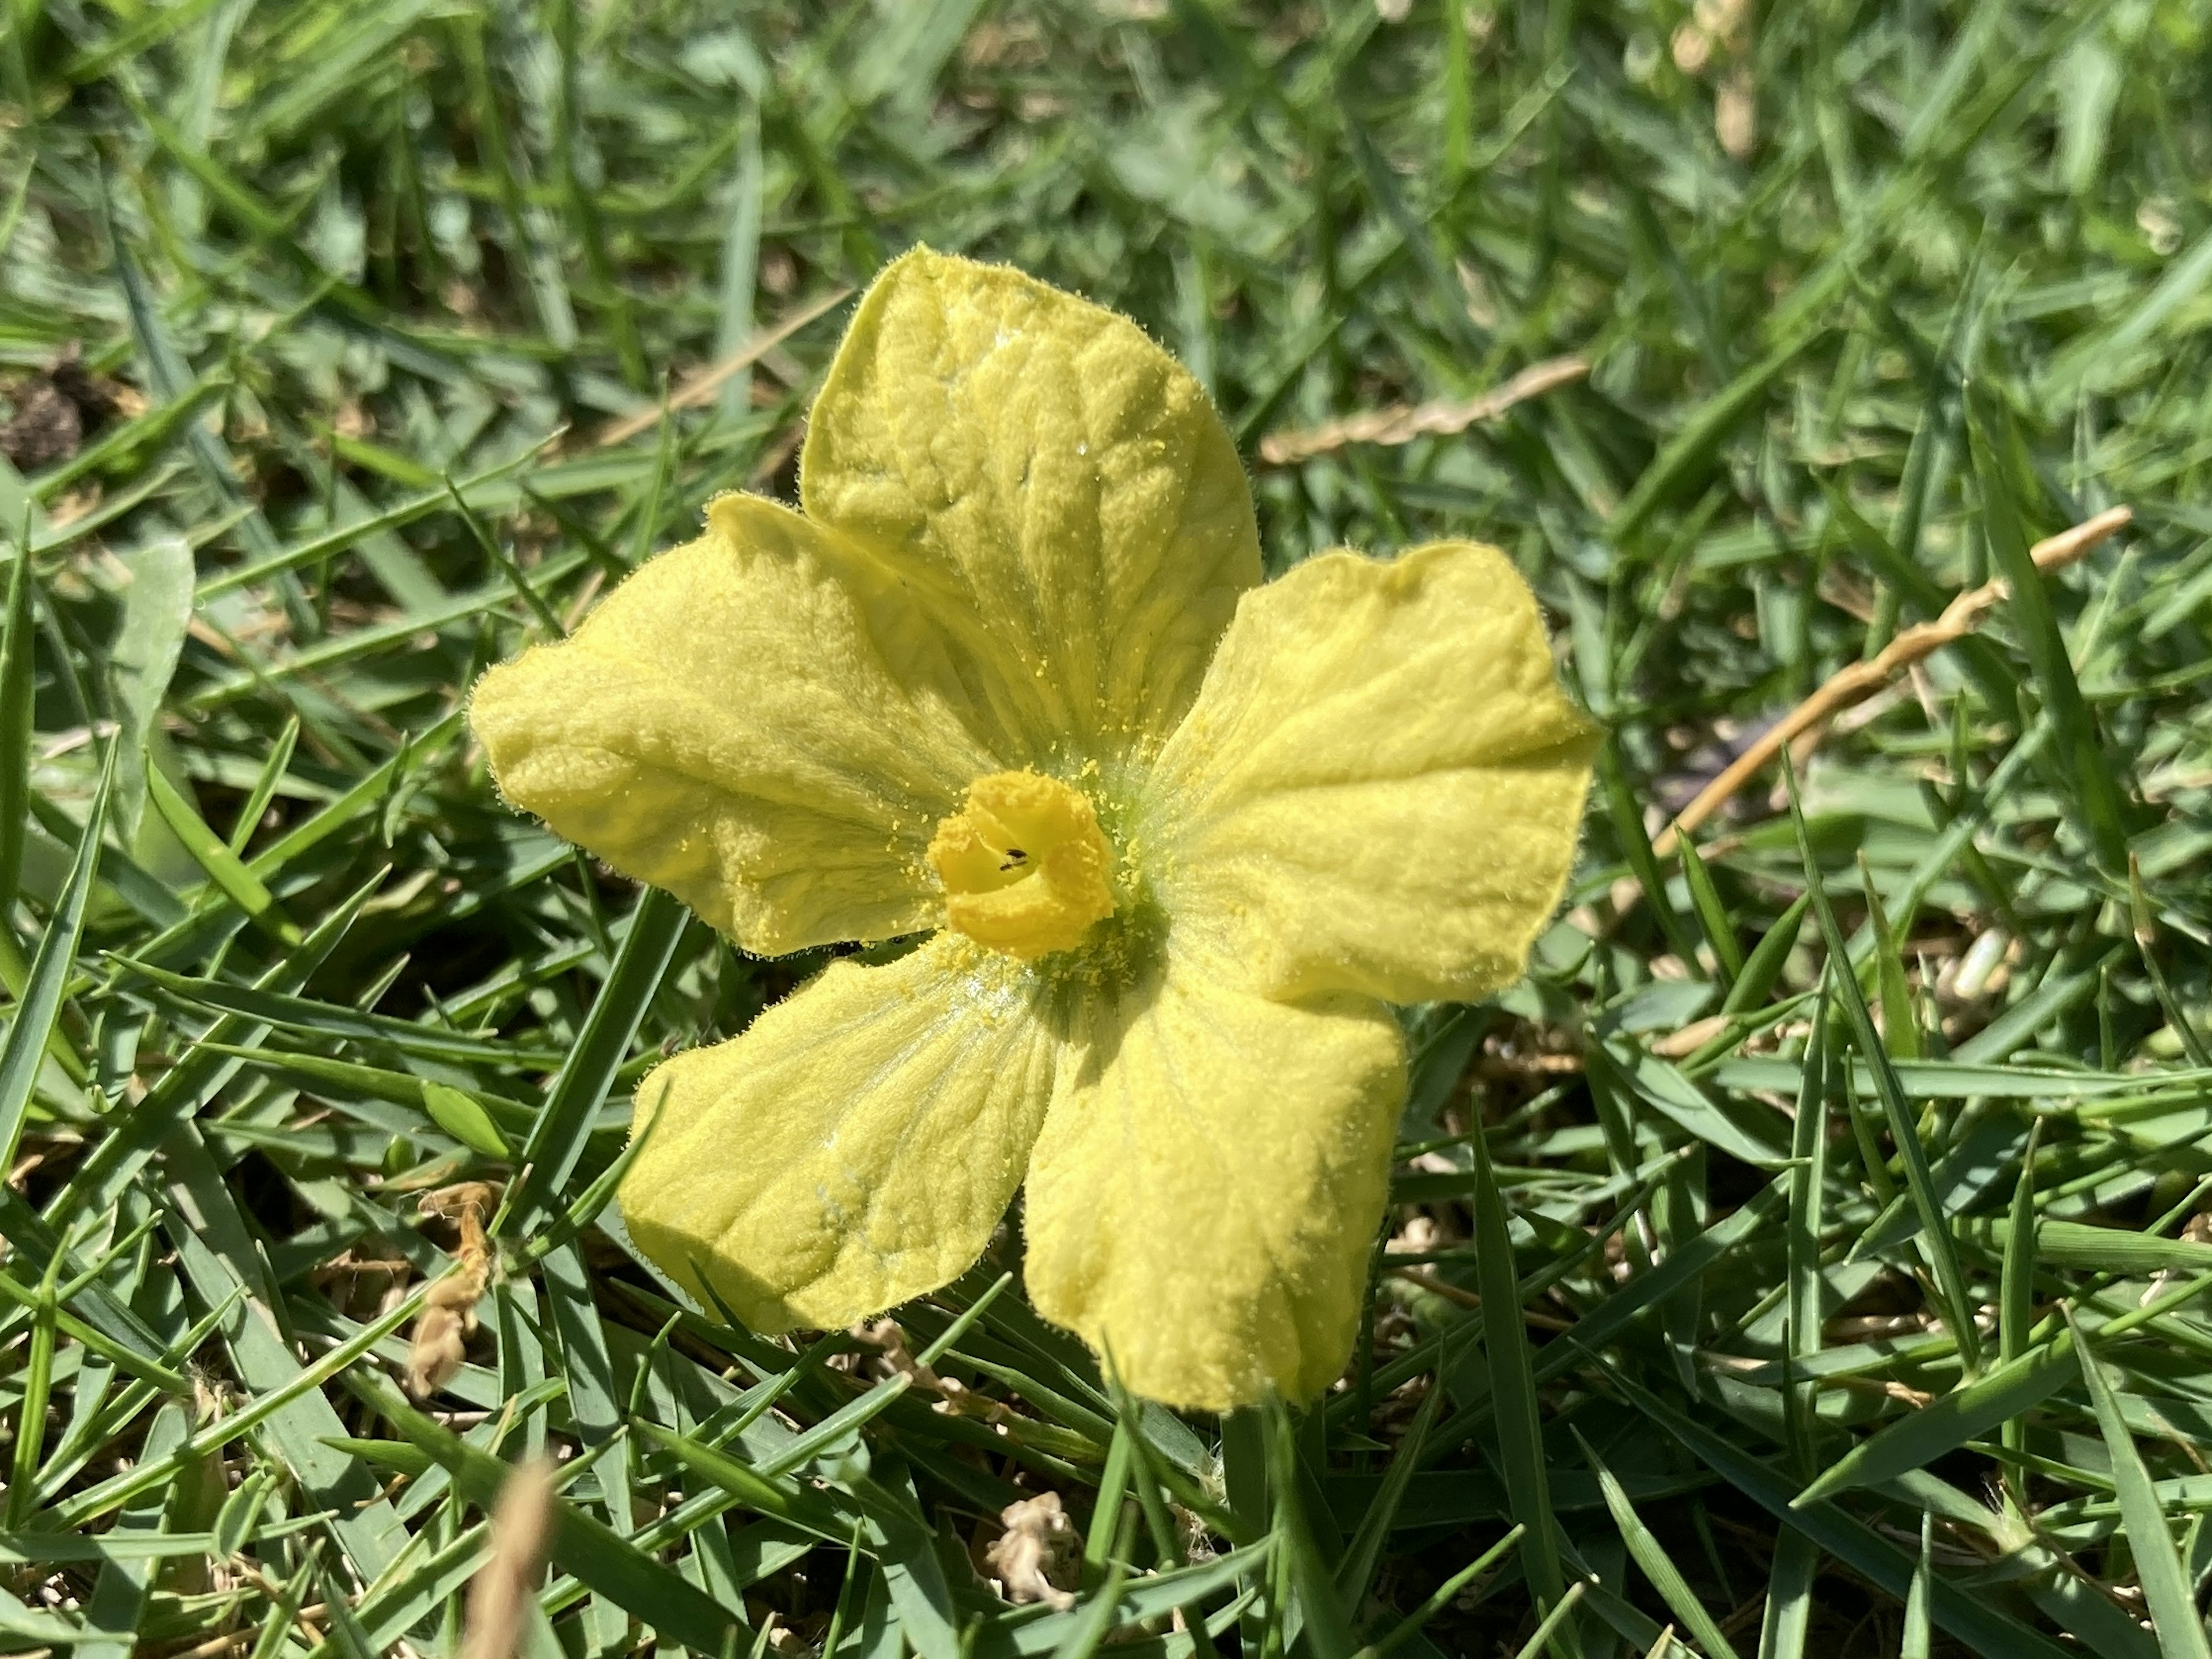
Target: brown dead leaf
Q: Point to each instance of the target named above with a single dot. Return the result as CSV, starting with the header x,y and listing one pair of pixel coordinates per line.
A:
x,y
1039,1545
954,1397
448,1319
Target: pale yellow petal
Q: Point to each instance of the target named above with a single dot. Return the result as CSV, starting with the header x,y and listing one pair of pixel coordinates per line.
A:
x,y
853,1147
1380,786
747,723
1203,1199
1056,490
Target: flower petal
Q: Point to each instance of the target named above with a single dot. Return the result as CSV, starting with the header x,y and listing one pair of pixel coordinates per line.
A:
x,y
746,724
1380,786
1204,1196
1055,489
855,1147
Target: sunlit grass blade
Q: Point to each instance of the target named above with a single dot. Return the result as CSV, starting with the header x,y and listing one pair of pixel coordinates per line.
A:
x,y
1512,1385
557,1140
1934,1235
17,684
32,1029
1651,1556
1989,1631
2166,1588
2098,797
603,1559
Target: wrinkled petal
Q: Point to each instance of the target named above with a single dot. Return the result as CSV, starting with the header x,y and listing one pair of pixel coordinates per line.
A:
x,y
1204,1196
1056,491
1380,786
747,724
855,1147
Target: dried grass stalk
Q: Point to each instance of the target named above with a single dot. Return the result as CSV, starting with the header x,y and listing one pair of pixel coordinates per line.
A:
x,y
521,1520
705,384
1402,424
1862,680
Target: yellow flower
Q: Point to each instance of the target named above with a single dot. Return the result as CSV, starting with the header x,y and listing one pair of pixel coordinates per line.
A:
x,y
1011,681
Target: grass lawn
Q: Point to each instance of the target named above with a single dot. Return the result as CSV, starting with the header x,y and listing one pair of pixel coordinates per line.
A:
x,y
1850,1161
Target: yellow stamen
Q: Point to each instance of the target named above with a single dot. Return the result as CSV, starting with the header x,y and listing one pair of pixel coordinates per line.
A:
x,y
1024,865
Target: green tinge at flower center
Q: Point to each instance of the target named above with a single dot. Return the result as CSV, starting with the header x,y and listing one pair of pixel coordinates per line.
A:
x,y
1025,868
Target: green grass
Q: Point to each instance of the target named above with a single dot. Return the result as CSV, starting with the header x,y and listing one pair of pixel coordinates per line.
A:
x,y
373,278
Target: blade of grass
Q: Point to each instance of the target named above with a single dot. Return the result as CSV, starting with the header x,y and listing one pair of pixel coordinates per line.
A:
x,y
1513,1386
17,684
32,1028
1651,1556
557,1140
1935,1235
2098,799
1442,1597
2171,1597
601,1557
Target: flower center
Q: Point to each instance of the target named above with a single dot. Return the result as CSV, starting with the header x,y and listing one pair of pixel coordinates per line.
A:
x,y
1024,865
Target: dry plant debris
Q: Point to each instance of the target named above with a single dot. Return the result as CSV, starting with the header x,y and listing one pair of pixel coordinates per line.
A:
x,y
1862,680
448,1318
1035,1552
1402,425
507,1583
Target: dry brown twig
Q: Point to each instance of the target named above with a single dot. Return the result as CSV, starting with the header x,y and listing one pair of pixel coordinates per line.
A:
x,y
1402,424
705,384
231,1641
521,1519
1452,1293
1862,680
